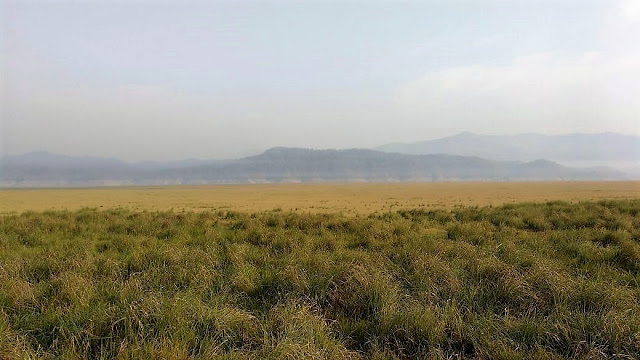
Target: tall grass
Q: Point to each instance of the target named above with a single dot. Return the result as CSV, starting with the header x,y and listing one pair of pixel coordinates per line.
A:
x,y
554,280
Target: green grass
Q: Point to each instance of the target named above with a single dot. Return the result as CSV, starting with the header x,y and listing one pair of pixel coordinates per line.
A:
x,y
545,281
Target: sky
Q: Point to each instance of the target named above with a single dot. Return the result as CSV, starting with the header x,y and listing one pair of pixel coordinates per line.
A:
x,y
169,80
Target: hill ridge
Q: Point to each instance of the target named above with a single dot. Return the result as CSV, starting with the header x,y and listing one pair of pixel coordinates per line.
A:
x,y
282,164
567,148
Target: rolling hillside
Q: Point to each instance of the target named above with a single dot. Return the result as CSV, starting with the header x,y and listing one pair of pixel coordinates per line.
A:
x,y
286,165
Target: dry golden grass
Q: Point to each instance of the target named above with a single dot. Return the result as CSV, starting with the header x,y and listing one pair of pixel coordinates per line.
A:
x,y
362,198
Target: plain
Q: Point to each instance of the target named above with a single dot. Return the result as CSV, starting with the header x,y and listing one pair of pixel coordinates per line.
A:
x,y
548,280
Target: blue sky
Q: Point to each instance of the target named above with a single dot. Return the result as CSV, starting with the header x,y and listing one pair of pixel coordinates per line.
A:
x,y
172,80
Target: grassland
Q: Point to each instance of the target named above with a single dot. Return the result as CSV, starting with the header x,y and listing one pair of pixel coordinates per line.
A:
x,y
353,198
549,280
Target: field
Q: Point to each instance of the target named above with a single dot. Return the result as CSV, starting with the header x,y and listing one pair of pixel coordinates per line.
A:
x,y
518,281
438,270
353,198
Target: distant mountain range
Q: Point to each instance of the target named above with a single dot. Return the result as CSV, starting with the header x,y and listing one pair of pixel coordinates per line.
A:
x,y
284,165
570,149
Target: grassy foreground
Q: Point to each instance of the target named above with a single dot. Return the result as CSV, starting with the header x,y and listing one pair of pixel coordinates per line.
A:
x,y
546,281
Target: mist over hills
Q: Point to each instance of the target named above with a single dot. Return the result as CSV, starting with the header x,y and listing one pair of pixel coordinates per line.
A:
x,y
284,165
570,149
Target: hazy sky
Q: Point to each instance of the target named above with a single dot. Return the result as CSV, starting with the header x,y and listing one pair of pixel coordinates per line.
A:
x,y
170,80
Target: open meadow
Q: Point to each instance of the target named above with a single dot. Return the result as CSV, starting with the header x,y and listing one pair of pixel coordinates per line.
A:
x,y
353,271
348,198
319,180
